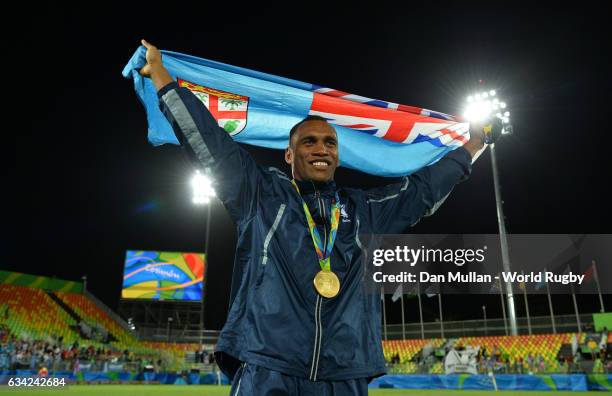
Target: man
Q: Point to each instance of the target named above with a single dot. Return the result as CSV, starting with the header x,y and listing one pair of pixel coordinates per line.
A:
x,y
300,320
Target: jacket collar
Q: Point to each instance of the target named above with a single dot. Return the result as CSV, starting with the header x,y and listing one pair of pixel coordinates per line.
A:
x,y
310,187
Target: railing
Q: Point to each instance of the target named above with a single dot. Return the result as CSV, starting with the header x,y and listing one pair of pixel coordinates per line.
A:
x,y
454,329
490,327
181,335
107,310
425,368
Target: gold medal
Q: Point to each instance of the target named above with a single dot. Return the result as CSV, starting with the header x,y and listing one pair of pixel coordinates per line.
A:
x,y
327,284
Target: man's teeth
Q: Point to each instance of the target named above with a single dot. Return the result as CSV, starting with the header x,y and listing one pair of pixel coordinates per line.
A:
x,y
319,163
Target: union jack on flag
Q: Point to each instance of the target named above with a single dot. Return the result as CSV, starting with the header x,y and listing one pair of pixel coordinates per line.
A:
x,y
381,103
398,123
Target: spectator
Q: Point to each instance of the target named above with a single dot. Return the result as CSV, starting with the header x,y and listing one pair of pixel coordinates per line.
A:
x,y
598,367
541,363
530,363
4,358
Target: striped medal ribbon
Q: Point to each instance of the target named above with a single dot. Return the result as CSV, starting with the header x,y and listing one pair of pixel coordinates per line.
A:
x,y
325,282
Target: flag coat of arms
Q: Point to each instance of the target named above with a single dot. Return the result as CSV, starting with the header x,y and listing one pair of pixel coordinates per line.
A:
x,y
375,136
230,110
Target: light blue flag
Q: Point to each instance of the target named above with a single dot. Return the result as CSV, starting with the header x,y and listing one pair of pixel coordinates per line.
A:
x,y
375,136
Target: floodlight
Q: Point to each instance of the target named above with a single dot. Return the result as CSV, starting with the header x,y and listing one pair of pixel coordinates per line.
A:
x,y
477,111
202,188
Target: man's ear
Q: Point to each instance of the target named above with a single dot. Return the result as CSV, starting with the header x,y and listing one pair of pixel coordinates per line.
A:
x,y
289,155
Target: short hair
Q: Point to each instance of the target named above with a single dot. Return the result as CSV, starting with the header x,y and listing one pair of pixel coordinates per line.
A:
x,y
309,118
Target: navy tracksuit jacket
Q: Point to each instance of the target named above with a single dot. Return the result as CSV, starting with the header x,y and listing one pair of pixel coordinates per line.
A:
x,y
276,319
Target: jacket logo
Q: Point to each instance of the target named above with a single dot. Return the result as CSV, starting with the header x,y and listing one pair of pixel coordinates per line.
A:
x,y
343,214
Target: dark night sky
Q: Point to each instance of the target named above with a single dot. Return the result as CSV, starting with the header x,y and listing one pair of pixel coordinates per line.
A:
x,y
86,185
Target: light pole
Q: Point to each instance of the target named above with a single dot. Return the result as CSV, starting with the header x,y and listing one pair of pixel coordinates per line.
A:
x,y
481,107
484,315
202,195
168,328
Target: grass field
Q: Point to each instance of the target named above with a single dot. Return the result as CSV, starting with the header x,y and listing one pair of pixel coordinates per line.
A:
x,y
209,390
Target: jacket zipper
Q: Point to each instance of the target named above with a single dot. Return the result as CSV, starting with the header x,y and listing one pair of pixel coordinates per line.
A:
x,y
318,334
314,368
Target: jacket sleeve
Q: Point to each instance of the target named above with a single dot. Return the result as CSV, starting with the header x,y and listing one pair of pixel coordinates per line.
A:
x,y
235,174
398,206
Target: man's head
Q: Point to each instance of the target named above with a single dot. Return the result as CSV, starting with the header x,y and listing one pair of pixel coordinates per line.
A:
x,y
313,150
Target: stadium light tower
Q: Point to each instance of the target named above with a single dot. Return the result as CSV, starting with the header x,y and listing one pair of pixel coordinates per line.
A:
x,y
202,194
482,107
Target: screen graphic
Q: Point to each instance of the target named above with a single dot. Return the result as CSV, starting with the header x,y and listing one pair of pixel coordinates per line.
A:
x,y
163,275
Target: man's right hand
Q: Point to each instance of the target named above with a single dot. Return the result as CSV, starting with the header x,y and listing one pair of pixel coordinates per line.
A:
x,y
154,69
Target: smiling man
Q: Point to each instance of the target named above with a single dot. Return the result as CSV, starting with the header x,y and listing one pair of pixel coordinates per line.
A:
x,y
313,150
300,319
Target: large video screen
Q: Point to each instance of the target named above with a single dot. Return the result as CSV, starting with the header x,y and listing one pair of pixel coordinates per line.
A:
x,y
163,275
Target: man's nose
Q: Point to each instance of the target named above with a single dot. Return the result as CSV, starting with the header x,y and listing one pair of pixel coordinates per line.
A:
x,y
320,149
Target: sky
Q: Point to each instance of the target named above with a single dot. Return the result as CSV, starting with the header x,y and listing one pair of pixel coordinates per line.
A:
x,y
85,185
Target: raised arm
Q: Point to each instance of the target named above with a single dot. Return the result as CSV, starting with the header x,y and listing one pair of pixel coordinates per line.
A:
x,y
236,175
398,206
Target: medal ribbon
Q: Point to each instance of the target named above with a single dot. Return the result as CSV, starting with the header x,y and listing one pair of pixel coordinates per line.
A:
x,y
324,260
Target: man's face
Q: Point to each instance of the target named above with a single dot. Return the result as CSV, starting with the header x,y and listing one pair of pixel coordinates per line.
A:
x,y
313,152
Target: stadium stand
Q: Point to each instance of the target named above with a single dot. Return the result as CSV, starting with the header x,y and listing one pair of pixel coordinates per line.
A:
x,y
29,312
59,330
518,349
92,313
52,323
406,349
541,353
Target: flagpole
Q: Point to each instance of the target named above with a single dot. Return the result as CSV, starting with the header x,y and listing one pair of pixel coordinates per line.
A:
x,y
403,320
441,319
382,297
550,305
484,317
501,295
601,303
420,311
526,305
576,308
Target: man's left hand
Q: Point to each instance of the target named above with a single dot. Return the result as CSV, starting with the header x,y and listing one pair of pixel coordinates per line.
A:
x,y
481,133
477,138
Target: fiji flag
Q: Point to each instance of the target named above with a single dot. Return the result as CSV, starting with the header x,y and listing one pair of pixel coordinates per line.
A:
x,y
377,137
